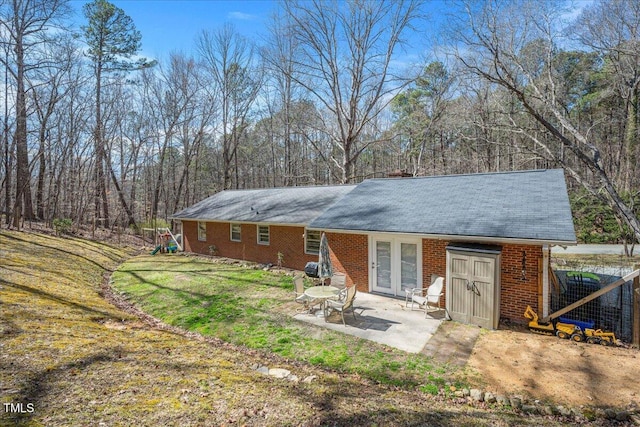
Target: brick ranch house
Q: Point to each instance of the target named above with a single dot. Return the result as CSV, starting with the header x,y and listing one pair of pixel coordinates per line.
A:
x,y
488,234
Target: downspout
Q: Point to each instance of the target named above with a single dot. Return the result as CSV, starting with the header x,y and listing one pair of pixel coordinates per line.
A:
x,y
545,280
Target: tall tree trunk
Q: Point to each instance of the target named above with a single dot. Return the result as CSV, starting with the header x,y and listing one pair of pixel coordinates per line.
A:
x,y
23,207
184,176
7,151
42,169
160,177
227,158
631,140
131,221
348,160
100,197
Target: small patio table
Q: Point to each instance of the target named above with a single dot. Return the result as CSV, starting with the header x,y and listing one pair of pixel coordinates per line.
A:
x,y
322,293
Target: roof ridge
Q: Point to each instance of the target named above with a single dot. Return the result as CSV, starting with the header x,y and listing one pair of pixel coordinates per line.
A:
x,y
463,174
288,187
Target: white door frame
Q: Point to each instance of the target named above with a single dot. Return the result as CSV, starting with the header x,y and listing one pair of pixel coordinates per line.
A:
x,y
396,242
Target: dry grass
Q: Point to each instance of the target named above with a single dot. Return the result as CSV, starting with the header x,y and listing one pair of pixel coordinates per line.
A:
x,y
79,360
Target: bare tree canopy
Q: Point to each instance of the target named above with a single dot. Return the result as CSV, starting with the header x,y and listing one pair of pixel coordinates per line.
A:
x,y
515,45
230,61
338,91
24,24
345,62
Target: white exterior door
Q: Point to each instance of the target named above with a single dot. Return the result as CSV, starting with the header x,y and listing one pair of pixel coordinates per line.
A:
x,y
473,289
395,264
381,268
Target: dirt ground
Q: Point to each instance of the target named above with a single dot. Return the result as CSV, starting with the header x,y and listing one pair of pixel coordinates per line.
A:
x,y
515,361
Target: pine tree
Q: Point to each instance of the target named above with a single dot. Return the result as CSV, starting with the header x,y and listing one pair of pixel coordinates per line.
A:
x,y
113,40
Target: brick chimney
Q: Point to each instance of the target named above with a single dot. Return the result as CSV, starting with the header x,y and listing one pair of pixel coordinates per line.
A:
x,y
399,173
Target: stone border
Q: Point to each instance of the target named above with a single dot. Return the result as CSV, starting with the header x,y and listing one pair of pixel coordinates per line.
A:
x,y
535,407
517,403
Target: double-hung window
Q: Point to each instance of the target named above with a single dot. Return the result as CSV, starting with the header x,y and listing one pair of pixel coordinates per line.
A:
x,y
202,231
263,234
236,233
312,241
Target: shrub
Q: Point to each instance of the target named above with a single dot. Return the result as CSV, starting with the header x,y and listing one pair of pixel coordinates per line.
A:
x,y
62,225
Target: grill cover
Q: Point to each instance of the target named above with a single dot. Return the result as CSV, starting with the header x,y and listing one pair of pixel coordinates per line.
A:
x,y
311,269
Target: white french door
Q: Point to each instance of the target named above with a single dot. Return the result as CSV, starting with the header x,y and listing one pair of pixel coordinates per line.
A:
x,y
395,264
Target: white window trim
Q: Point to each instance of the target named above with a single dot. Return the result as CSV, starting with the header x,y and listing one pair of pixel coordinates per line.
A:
x,y
201,238
268,235
231,232
306,247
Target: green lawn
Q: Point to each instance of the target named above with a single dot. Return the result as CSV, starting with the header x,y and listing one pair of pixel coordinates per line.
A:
x,y
254,308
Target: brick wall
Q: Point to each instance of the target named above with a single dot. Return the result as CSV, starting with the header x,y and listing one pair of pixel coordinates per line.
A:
x,y
285,239
350,255
434,261
519,289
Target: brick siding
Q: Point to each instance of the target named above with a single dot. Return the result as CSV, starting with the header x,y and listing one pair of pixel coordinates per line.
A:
x,y
434,261
517,290
350,255
285,239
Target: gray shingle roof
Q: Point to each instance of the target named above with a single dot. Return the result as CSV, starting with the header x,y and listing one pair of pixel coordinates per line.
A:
x,y
514,205
289,205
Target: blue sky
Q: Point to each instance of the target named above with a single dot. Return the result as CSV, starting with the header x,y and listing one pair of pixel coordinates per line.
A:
x,y
172,25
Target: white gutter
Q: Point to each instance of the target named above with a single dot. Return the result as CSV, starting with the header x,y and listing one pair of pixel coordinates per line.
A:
x,y
450,237
233,221
456,237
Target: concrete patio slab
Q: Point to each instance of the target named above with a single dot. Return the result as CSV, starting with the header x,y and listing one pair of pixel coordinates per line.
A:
x,y
384,320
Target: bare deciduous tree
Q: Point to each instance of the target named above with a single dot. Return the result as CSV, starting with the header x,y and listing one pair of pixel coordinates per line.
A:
x,y
512,45
278,59
51,85
612,28
230,61
25,23
346,56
